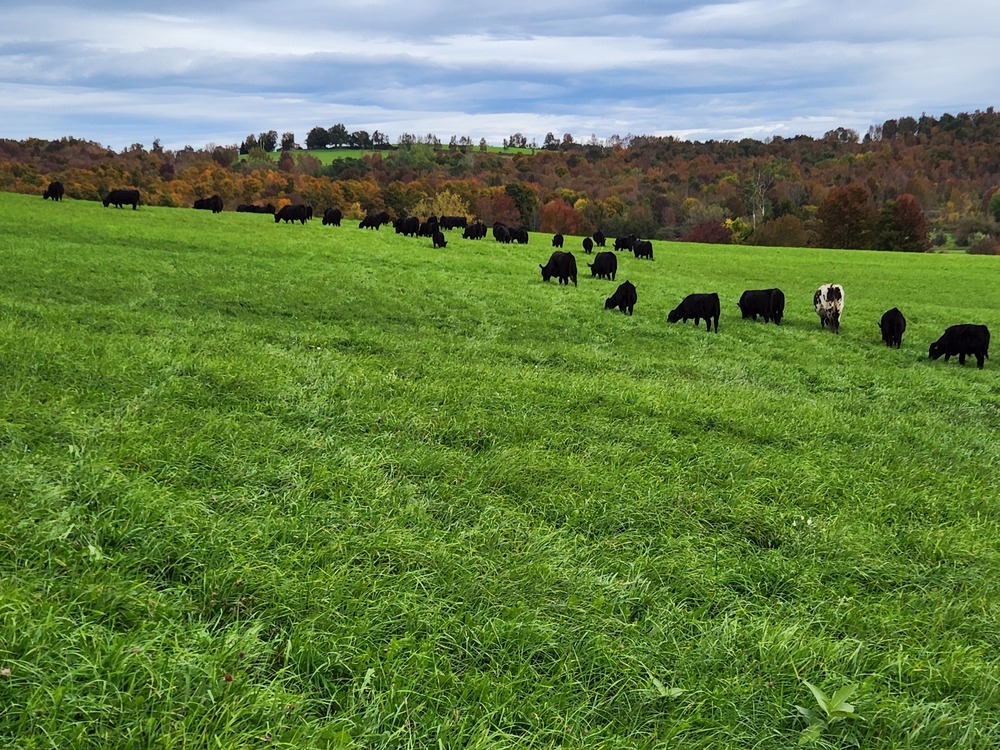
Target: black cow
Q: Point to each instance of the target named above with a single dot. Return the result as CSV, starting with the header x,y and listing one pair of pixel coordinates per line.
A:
x,y
605,266
588,245
624,243
962,340
519,235
474,231
767,303
55,191
294,212
501,233
119,198
407,225
438,239
699,307
892,325
624,298
250,208
428,228
374,220
561,265
213,204
599,238
453,222
557,240
643,249
332,217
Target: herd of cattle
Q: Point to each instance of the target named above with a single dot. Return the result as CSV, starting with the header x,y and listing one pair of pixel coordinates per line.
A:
x,y
963,340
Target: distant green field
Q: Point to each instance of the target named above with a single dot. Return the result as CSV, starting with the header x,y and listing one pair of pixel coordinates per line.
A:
x,y
311,487
330,155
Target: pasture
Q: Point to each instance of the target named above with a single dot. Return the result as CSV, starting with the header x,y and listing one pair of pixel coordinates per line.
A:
x,y
314,487
330,155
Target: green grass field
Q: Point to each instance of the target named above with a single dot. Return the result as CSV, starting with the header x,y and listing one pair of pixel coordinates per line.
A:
x,y
330,155
312,487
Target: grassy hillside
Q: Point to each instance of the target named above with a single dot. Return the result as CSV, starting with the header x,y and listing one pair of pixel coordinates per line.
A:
x,y
330,155
314,487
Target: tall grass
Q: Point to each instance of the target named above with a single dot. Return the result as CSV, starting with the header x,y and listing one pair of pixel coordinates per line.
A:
x,y
304,486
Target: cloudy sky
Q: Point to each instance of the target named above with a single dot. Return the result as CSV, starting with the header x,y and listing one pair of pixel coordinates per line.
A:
x,y
196,73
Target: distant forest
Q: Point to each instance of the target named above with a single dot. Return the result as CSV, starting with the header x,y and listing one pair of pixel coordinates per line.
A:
x,y
908,184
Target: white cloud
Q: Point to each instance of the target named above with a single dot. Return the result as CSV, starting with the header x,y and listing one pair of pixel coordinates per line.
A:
x,y
700,70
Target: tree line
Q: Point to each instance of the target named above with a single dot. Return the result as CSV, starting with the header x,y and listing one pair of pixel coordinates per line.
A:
x,y
907,184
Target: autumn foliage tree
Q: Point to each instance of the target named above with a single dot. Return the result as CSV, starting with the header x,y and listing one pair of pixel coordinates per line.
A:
x,y
846,217
709,232
785,231
558,216
902,226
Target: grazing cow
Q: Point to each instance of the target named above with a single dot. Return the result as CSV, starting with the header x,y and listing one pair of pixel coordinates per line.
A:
x,y
501,233
624,298
250,208
643,249
428,228
962,340
332,217
699,307
55,191
119,198
892,325
829,304
295,212
605,266
407,225
561,265
438,240
624,243
519,235
213,204
557,240
588,245
599,238
767,303
474,231
453,222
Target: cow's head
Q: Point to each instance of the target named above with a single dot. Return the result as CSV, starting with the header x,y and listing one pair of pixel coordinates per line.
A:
x,y
674,315
936,350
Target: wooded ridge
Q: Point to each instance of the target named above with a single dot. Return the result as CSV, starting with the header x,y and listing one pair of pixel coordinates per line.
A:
x,y
940,175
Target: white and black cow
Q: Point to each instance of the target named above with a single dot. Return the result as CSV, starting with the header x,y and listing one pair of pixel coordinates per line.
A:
x,y
829,304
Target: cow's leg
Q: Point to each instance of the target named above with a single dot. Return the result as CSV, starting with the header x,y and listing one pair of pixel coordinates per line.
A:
x,y
980,360
961,359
